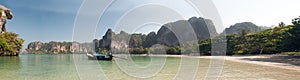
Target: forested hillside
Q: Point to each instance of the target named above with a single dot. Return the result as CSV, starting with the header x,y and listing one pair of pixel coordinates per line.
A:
x,y
283,38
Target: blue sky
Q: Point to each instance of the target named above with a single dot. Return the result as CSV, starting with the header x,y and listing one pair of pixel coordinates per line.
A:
x,y
42,20
53,20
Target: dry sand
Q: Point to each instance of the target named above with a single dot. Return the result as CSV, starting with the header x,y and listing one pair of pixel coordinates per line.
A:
x,y
279,61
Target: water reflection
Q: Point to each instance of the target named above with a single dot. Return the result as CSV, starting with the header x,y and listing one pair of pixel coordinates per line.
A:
x,y
37,67
62,67
9,66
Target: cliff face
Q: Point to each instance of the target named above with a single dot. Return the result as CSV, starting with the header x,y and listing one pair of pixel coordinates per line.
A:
x,y
58,47
120,41
169,33
105,42
150,40
112,41
35,46
202,28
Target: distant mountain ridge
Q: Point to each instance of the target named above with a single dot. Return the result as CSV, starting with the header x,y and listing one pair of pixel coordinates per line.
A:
x,y
58,47
247,26
202,29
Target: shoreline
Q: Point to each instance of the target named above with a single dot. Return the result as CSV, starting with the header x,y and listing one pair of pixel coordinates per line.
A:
x,y
242,59
245,59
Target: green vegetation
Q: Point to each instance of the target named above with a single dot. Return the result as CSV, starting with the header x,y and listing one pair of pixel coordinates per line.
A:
x,y
279,39
291,53
138,51
174,50
10,44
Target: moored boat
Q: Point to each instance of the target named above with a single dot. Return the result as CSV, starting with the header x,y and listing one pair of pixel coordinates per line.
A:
x,y
100,56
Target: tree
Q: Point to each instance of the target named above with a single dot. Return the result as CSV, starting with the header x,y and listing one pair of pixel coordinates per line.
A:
x,y
10,44
296,21
281,24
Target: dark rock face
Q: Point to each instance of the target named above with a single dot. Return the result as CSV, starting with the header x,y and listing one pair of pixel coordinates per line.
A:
x,y
204,28
238,27
105,42
150,40
169,33
165,36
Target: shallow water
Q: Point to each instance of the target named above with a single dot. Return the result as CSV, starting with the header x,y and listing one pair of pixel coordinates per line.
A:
x,y
77,66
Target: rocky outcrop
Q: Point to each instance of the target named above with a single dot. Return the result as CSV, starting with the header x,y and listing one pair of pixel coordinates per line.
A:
x,y
58,47
10,44
202,29
150,40
247,26
169,33
112,41
120,41
105,42
35,45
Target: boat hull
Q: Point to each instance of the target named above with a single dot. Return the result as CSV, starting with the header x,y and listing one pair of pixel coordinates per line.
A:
x,y
100,57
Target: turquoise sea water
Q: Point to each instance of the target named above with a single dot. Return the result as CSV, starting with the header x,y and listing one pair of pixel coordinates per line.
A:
x,y
77,66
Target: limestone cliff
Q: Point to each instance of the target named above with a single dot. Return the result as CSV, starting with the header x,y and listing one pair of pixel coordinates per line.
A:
x,y
58,47
169,33
202,29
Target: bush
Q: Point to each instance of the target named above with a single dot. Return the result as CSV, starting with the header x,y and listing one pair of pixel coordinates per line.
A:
x,y
174,50
138,51
10,44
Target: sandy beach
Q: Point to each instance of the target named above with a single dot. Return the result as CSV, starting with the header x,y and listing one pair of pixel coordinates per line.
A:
x,y
278,61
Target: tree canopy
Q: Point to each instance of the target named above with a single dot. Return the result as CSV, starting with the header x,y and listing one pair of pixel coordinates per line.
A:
x,y
283,38
10,44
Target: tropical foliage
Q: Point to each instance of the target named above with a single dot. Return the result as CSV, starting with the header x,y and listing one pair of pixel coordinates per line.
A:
x,y
279,39
10,44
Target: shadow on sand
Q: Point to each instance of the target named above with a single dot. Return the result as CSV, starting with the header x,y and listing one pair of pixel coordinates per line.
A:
x,y
293,60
